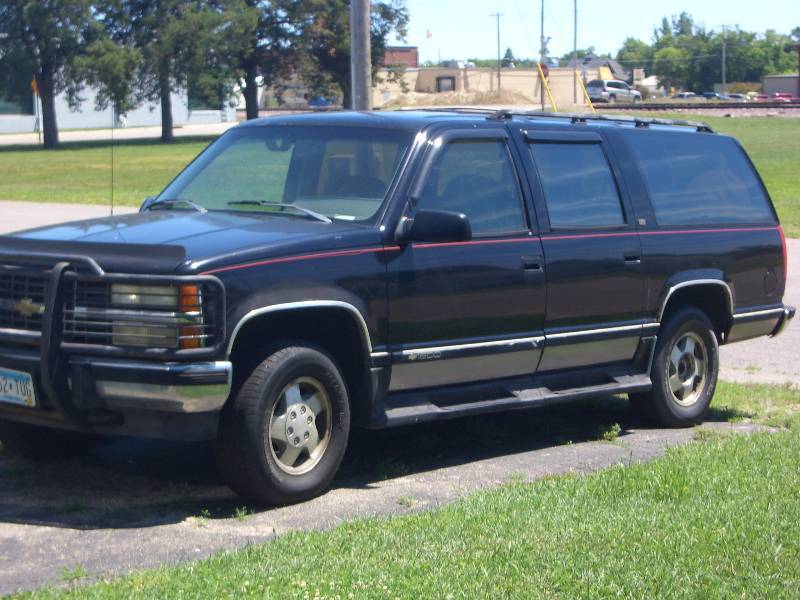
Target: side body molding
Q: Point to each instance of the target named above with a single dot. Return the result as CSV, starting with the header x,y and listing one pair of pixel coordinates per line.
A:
x,y
305,304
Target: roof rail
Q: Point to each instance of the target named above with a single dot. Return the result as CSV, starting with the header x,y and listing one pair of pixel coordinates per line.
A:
x,y
576,118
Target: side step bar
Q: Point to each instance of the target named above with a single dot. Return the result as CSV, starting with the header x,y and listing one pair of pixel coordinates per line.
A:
x,y
417,409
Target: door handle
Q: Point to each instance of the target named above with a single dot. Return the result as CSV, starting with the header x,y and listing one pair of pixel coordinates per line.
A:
x,y
532,263
633,258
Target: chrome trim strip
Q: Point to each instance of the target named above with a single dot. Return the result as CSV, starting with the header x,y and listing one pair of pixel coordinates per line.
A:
x,y
788,315
379,355
301,305
758,313
534,341
692,282
601,330
165,397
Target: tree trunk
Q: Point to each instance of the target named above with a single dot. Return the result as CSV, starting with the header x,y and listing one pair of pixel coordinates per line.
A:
x,y
47,91
251,91
166,109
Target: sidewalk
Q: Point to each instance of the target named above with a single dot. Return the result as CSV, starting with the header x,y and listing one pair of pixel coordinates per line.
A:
x,y
133,133
16,216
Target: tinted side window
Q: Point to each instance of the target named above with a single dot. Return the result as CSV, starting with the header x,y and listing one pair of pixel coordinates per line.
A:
x,y
579,189
476,178
699,180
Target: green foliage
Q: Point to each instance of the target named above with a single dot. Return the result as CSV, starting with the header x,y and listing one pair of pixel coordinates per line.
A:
x,y
112,69
42,39
325,64
687,56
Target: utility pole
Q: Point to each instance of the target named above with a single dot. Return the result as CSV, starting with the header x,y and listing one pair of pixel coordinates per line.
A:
x,y
724,61
497,15
575,55
541,56
360,55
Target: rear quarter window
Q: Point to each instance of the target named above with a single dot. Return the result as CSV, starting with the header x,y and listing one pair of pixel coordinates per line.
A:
x,y
699,179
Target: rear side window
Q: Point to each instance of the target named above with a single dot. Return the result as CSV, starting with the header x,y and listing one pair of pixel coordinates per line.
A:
x,y
699,180
579,189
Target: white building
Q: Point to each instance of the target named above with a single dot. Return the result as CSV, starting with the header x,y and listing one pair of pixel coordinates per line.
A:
x,y
88,117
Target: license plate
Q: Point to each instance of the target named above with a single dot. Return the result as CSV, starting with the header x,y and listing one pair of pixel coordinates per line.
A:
x,y
16,387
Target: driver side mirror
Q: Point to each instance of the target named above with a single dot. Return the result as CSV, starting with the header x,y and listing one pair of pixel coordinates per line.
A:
x,y
434,226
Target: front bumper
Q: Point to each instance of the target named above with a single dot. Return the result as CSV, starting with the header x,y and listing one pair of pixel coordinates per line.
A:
x,y
121,397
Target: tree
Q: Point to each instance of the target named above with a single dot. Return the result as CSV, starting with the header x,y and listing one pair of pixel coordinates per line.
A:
x,y
508,59
181,44
111,69
271,34
42,39
635,54
326,61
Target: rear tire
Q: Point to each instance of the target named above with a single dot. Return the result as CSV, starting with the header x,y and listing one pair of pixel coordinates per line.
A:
x,y
284,434
44,444
684,372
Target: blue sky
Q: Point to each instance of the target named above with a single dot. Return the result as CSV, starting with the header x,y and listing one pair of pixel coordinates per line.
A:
x,y
463,28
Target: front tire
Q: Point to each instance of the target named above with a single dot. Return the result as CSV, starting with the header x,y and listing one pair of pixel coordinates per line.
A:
x,y
684,372
284,435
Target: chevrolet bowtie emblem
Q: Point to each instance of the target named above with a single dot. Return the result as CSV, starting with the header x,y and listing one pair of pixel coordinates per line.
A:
x,y
27,308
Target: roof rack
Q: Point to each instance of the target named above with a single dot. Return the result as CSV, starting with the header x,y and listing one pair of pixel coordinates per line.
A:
x,y
575,118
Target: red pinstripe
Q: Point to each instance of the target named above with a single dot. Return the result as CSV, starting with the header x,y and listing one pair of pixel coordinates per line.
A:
x,y
545,238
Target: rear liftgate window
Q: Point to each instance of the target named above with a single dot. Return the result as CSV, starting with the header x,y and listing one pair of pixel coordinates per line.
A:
x,y
699,179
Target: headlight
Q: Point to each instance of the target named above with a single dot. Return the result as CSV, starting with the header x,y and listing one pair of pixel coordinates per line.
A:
x,y
171,316
145,296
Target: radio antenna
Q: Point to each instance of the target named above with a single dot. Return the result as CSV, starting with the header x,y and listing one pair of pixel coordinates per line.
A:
x,y
113,124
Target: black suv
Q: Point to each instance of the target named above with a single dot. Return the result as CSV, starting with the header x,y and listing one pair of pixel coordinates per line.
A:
x,y
307,274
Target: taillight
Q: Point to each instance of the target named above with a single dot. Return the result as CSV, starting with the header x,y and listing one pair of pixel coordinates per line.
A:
x,y
785,255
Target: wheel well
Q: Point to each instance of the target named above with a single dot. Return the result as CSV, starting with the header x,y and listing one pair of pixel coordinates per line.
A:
x,y
712,299
335,330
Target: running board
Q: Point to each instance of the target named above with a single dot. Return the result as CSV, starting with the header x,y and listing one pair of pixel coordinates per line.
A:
x,y
419,408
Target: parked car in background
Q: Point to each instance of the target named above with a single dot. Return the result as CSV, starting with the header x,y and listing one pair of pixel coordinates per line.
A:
x,y
307,275
611,91
712,96
738,97
684,96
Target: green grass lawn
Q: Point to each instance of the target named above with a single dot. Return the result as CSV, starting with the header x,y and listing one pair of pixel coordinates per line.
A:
x,y
719,518
82,172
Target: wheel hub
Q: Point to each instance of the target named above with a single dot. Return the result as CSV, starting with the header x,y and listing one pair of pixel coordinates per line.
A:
x,y
300,419
687,369
300,426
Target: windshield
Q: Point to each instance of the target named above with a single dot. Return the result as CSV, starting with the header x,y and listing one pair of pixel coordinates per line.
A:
x,y
341,173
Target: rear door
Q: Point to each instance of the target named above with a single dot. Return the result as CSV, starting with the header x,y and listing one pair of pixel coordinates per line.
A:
x,y
595,280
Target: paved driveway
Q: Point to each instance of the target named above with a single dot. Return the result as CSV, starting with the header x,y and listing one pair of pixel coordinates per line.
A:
x,y
132,504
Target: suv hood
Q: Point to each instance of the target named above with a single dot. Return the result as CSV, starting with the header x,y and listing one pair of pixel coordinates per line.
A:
x,y
177,240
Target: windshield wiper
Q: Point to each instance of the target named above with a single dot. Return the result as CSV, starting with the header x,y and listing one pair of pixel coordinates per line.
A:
x,y
283,206
174,201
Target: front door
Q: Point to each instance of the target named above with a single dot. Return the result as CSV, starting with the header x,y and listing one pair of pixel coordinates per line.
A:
x,y
474,310
595,281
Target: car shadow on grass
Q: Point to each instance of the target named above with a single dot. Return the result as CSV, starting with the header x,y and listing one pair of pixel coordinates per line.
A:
x,y
136,483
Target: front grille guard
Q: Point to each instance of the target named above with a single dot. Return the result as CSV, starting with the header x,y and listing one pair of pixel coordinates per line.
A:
x,y
61,270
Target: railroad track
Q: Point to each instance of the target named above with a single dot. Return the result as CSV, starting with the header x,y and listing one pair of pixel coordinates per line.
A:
x,y
698,105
